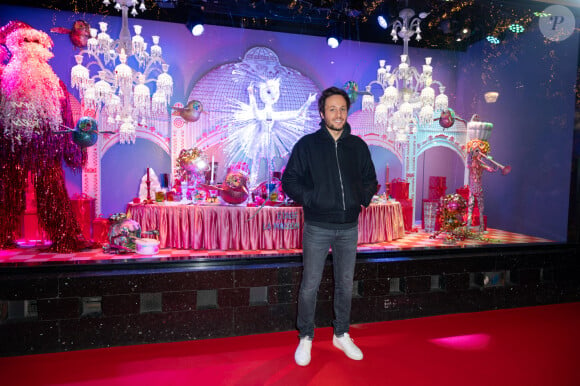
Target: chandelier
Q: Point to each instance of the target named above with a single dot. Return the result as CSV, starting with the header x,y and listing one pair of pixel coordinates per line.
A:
x,y
118,91
408,100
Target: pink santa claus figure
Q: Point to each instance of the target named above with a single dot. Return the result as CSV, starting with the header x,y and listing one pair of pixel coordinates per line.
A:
x,y
34,106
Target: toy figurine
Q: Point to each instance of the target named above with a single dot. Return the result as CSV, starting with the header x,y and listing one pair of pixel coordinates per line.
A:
x,y
479,161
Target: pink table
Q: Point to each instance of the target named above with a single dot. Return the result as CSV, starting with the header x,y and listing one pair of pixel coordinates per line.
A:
x,y
221,227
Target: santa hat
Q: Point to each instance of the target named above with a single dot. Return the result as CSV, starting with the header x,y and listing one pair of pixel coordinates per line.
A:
x,y
10,27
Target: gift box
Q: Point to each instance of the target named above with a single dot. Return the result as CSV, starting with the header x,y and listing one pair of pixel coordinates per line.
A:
x,y
83,208
399,189
101,227
407,208
30,229
430,215
464,192
437,187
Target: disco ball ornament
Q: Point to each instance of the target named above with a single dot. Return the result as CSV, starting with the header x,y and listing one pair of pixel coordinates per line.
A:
x,y
447,118
234,189
86,132
351,89
191,163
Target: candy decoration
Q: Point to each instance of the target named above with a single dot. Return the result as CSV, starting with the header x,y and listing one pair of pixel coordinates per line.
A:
x,y
447,118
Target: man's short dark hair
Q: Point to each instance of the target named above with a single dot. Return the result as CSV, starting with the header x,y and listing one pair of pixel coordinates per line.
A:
x,y
330,92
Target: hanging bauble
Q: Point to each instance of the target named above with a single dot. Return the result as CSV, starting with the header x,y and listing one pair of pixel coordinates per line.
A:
x,y
351,89
79,34
191,163
447,118
191,112
86,132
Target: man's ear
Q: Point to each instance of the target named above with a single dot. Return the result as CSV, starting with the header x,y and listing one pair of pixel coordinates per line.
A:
x,y
321,115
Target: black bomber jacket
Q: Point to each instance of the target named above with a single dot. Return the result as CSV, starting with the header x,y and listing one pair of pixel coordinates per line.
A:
x,y
330,179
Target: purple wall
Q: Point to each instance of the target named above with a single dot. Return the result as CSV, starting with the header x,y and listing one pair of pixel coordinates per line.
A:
x,y
533,117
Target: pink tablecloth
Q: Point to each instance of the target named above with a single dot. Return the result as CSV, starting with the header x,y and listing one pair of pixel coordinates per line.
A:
x,y
250,228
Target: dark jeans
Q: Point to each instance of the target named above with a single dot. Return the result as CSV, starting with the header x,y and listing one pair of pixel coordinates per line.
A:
x,y
315,244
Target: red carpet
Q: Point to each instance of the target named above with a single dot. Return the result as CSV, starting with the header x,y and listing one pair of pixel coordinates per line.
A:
x,y
523,346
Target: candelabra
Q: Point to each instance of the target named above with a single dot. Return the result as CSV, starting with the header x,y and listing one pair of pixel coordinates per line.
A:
x,y
408,98
119,93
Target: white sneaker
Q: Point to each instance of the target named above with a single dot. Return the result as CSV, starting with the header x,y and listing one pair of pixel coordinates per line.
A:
x,y
302,354
346,344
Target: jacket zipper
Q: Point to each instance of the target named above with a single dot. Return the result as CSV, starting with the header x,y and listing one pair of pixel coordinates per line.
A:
x,y
339,174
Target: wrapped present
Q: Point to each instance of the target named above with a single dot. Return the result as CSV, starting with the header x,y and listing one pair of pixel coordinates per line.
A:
x,y
84,209
464,192
101,227
437,187
30,229
429,215
399,189
437,181
407,208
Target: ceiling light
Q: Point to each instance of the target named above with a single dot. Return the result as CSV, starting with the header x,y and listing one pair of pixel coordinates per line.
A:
x,y
542,14
334,37
382,21
491,96
516,28
493,39
195,20
333,41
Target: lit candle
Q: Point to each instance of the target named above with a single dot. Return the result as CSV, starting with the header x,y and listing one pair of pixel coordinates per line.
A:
x,y
212,162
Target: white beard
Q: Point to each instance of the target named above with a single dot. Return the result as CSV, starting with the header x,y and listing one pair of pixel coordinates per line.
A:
x,y
30,95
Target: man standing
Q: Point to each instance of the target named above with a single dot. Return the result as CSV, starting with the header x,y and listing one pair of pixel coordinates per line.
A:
x,y
331,174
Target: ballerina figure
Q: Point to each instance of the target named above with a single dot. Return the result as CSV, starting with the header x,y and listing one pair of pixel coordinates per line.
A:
x,y
262,133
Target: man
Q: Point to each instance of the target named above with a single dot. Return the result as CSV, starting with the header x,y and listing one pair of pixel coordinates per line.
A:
x,y
331,174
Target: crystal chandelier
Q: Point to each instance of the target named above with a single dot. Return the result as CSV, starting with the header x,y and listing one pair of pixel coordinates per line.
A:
x,y
118,92
408,99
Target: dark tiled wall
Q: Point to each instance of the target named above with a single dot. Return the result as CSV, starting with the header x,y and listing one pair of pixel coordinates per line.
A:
x,y
50,311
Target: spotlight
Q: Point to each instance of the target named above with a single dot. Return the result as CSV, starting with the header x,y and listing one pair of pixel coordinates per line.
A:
x,y
493,39
382,21
334,37
195,20
333,41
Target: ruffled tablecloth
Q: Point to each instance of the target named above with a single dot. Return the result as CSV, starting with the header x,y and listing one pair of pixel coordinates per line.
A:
x,y
222,227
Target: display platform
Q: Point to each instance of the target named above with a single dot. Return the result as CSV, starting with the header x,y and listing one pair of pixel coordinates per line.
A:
x,y
39,255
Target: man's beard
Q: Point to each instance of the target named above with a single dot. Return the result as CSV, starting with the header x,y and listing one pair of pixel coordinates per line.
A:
x,y
333,127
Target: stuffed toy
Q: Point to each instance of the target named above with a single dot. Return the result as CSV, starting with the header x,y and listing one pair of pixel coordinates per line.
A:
x,y
34,107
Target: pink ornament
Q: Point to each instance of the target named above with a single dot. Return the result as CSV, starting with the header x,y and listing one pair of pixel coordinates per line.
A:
x,y
447,118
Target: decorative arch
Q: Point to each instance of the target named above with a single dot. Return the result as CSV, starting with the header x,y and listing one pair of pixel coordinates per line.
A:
x,y
91,173
381,141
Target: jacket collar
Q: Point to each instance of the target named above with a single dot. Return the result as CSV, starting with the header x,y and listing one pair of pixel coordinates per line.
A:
x,y
325,134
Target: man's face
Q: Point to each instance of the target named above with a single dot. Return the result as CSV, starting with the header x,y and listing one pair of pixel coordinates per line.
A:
x,y
335,112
